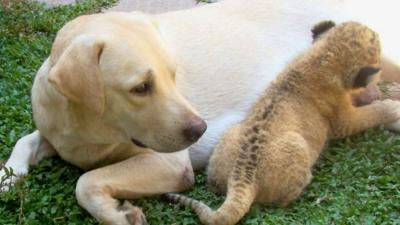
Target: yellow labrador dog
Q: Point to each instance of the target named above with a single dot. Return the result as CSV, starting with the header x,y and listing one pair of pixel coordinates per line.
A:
x,y
118,93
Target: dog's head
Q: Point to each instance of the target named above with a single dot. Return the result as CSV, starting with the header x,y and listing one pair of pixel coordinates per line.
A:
x,y
116,67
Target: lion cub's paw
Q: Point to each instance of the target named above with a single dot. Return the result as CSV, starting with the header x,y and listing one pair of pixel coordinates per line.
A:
x,y
395,127
392,108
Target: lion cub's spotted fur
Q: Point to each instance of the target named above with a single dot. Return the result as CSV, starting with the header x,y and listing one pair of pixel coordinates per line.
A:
x,y
268,157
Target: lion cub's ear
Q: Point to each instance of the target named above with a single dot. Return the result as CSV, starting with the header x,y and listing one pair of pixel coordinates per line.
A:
x,y
321,28
364,76
77,74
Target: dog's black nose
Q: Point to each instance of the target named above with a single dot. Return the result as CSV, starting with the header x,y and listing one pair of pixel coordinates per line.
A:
x,y
194,129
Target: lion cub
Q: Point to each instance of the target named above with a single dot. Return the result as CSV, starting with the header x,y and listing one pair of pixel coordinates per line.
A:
x,y
268,157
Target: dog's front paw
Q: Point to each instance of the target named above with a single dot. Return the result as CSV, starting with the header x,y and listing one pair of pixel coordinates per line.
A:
x,y
187,177
136,217
133,214
8,177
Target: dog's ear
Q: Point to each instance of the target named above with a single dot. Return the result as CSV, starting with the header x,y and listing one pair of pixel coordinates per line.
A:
x,y
77,76
364,76
321,28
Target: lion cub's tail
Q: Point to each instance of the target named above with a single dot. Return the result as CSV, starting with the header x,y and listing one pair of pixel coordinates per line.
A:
x,y
239,198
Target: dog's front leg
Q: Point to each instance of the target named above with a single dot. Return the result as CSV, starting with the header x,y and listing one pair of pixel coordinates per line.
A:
x,y
28,150
99,191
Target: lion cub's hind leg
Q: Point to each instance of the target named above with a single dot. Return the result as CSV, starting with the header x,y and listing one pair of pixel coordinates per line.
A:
x,y
285,169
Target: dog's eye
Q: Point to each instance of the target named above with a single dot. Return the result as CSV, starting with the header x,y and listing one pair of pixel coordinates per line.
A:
x,y
142,89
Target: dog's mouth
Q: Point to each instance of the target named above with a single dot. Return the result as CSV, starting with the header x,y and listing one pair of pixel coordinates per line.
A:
x,y
138,143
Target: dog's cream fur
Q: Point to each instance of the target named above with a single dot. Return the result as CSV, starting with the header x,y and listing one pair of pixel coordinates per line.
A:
x,y
222,56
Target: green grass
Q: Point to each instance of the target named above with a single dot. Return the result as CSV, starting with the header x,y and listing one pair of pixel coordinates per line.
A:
x,y
357,180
